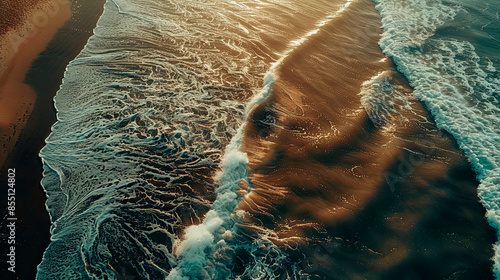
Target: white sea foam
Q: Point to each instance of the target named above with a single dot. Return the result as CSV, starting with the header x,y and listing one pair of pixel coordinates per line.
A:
x,y
199,240
381,97
458,86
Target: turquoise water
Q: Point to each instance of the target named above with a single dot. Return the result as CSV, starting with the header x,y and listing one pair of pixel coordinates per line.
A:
x,y
450,53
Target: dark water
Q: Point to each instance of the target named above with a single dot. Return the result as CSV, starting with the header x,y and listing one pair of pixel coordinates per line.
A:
x,y
269,140
32,233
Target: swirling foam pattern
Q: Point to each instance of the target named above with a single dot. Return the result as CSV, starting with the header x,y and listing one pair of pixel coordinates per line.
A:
x,y
448,50
144,115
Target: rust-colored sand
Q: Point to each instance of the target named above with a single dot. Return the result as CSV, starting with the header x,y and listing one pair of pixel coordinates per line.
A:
x,y
17,98
14,12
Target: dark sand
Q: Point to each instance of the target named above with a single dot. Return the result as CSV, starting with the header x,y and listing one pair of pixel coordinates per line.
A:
x,y
43,77
392,200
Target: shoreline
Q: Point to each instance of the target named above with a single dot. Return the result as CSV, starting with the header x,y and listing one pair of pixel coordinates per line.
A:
x,y
17,98
43,77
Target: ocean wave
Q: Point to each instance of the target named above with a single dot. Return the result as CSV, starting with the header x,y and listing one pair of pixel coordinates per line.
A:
x,y
201,242
457,81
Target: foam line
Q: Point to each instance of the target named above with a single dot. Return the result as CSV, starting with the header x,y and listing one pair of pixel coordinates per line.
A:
x,y
456,84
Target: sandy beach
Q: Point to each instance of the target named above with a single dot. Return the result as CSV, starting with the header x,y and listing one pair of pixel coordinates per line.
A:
x,y
41,75
20,46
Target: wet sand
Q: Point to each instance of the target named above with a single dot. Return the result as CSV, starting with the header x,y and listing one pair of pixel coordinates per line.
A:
x,y
42,77
377,193
16,97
